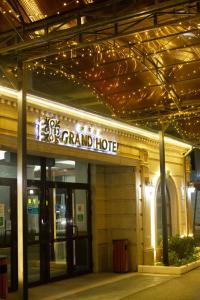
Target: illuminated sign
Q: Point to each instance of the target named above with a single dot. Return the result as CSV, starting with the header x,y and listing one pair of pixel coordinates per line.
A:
x,y
81,136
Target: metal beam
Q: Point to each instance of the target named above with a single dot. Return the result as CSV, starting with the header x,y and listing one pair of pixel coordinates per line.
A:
x,y
95,26
10,77
159,76
22,190
10,22
102,6
182,47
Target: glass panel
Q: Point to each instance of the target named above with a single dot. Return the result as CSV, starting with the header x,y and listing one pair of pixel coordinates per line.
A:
x,y
33,263
81,255
194,198
33,172
5,215
33,214
79,204
58,213
33,168
8,167
58,261
5,226
68,171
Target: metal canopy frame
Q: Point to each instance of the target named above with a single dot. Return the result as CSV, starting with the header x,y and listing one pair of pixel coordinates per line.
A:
x,y
49,37
103,29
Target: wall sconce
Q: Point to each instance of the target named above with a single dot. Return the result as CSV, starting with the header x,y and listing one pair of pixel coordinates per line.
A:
x,y
191,189
150,196
149,189
2,154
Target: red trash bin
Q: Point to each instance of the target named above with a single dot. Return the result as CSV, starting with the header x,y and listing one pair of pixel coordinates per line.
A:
x,y
3,277
120,256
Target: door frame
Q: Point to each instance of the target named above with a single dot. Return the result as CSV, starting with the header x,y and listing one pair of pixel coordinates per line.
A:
x,y
69,187
12,183
45,239
43,185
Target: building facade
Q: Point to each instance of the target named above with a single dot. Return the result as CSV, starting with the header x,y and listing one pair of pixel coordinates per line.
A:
x,y
90,180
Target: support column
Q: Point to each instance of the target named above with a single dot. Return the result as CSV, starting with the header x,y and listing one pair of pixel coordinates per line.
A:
x,y
163,197
22,190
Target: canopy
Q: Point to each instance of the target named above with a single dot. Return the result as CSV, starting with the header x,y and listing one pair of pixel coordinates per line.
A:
x,y
136,61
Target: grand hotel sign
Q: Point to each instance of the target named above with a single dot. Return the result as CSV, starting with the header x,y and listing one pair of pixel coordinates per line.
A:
x,y
49,130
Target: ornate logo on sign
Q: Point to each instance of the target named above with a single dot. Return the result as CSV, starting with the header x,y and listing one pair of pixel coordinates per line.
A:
x,y
49,130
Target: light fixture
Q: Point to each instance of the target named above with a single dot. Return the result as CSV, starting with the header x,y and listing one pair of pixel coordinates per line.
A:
x,y
36,168
63,222
2,154
67,162
191,189
31,192
150,197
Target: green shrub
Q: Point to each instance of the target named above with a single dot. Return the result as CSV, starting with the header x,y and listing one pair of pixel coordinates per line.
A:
x,y
181,250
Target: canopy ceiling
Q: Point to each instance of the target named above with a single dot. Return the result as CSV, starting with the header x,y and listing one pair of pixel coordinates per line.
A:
x,y
137,61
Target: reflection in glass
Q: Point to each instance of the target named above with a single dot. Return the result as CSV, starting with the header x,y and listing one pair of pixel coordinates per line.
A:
x,y
79,204
58,250
5,215
58,213
33,263
58,262
68,171
33,172
8,166
195,199
33,214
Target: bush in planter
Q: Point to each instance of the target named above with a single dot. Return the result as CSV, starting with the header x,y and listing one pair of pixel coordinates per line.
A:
x,y
181,250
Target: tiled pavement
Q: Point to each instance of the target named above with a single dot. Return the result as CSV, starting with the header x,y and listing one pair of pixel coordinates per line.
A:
x,y
130,286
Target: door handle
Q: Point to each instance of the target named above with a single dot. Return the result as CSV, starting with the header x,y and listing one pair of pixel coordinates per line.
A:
x,y
72,231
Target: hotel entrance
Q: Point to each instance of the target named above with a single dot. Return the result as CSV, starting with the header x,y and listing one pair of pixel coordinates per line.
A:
x,y
58,232
58,222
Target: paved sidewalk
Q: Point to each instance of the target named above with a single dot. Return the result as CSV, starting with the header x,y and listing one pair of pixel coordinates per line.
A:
x,y
185,287
130,286
102,286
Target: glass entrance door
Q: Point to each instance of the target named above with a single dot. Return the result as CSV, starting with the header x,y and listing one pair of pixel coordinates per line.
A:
x,y
8,228
60,229
33,238
69,245
81,244
58,232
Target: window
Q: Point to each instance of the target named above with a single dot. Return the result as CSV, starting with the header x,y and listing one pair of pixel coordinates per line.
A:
x,y
66,170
